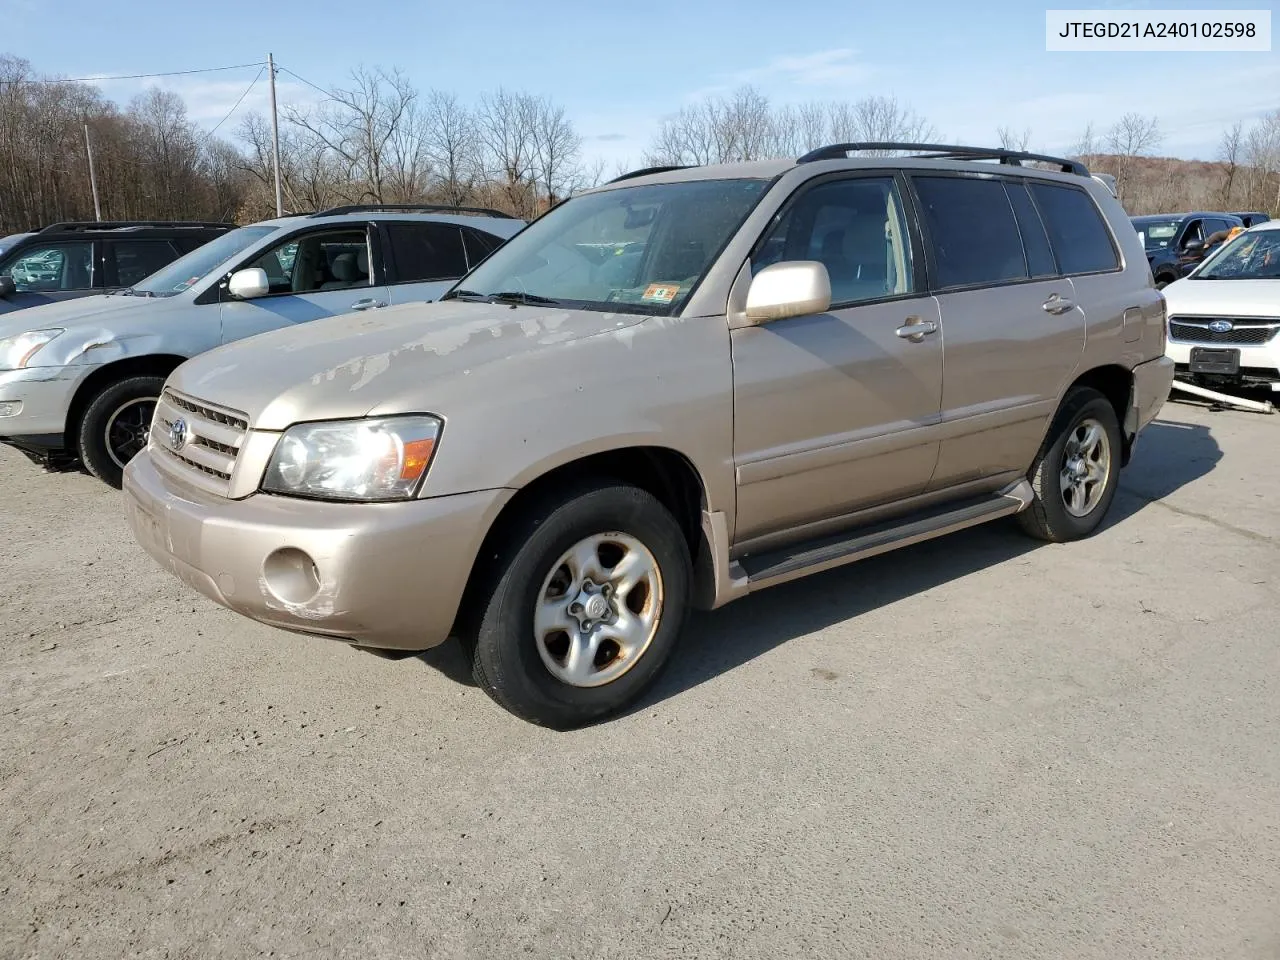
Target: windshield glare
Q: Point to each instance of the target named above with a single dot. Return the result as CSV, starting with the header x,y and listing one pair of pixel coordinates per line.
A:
x,y
1156,234
632,250
1248,256
200,262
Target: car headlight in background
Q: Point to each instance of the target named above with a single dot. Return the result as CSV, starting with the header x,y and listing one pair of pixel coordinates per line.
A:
x,y
16,352
381,458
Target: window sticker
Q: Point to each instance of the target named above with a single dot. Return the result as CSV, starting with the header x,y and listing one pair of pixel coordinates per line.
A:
x,y
660,292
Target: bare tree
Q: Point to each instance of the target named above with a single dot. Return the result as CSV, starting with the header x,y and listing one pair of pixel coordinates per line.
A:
x,y
1262,151
1132,136
557,147
453,146
1229,154
1087,146
505,123
1011,139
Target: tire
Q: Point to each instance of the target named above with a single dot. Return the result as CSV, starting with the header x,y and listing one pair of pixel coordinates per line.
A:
x,y
125,406
1058,514
1164,281
523,660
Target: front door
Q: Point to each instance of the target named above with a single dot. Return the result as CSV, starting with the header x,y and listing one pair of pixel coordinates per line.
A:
x,y
836,412
312,276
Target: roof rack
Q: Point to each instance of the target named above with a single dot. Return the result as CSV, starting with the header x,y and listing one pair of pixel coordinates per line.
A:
x,y
645,171
943,151
74,225
410,207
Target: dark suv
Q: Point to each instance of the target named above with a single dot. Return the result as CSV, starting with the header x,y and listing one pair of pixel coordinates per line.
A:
x,y
76,259
1253,218
1176,242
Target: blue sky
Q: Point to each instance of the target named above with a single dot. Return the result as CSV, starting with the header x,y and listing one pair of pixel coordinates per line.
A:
x,y
618,68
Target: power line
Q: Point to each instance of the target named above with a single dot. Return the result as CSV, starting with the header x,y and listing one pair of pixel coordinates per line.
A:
x,y
304,80
209,136
138,76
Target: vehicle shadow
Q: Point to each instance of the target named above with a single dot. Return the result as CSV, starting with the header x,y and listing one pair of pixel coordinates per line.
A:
x,y
1169,455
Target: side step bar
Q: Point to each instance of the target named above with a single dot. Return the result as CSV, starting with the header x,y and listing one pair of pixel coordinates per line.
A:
x,y
771,569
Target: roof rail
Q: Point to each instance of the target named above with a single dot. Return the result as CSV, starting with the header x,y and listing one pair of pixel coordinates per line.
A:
x,y
943,151
410,208
645,171
73,225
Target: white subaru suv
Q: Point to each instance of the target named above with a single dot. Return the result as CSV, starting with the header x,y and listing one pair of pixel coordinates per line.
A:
x,y
79,380
1224,317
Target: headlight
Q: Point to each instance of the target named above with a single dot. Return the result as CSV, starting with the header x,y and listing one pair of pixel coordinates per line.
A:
x,y
15,352
382,458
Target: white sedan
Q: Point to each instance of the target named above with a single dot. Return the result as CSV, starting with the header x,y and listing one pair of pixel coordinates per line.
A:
x,y
1224,317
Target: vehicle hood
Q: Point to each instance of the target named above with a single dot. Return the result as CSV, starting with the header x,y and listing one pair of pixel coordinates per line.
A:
x,y
82,311
1223,298
348,365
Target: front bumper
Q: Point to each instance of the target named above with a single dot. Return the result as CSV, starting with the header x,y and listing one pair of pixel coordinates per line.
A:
x,y
1257,361
384,575
45,394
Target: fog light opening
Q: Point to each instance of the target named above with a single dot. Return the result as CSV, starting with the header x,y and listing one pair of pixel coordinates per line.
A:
x,y
291,575
10,408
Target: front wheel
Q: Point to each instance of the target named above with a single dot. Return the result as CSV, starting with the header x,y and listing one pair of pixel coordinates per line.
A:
x,y
1077,472
115,425
585,609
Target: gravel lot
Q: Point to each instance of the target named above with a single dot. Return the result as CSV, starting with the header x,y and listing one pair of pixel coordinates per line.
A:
x,y
979,746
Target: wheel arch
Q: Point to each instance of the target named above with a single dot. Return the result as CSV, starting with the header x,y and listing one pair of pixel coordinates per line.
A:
x,y
665,473
1115,382
151,365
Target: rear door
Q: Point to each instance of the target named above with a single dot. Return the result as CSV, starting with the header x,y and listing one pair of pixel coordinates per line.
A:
x,y
129,262
52,271
315,274
424,259
1013,330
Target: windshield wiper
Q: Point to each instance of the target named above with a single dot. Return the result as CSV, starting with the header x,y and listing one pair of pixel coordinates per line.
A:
x,y
519,296
469,295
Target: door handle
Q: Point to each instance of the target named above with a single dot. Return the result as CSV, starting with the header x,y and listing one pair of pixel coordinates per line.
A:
x,y
916,329
1057,304
367,304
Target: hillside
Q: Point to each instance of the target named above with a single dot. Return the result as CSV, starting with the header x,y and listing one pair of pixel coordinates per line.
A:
x,y
1168,184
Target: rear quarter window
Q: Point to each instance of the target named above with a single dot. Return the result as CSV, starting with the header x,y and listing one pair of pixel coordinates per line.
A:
x,y
1076,229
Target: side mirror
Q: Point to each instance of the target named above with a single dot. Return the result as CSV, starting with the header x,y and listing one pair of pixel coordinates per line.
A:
x,y
793,288
7,286
1193,246
249,283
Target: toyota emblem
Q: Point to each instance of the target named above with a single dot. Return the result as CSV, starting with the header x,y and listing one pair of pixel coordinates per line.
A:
x,y
178,434
1221,326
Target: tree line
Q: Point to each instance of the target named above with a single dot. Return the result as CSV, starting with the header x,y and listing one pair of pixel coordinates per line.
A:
x,y
379,139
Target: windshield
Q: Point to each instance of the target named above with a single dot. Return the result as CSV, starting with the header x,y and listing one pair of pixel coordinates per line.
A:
x,y
200,262
1249,256
632,250
1156,234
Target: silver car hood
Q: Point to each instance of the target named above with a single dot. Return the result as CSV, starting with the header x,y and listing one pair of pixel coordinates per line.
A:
x,y
395,359
94,310
1223,298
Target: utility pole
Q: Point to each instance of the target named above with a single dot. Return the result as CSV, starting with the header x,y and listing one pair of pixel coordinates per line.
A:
x,y
93,177
275,137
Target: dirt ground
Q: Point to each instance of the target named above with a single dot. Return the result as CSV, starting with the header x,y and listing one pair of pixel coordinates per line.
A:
x,y
979,746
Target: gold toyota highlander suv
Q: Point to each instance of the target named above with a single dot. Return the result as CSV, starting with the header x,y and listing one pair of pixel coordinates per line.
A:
x,y
671,391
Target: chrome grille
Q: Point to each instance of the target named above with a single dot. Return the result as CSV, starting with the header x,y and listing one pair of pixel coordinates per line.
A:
x,y
1243,332
211,440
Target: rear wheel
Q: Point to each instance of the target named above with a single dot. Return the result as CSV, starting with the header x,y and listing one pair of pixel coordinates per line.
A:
x,y
583,608
115,425
1077,471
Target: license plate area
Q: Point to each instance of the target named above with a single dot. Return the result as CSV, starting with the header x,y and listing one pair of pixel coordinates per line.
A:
x,y
1214,360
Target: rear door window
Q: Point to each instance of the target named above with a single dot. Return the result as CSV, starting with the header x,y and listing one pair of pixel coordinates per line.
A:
x,y
1035,241
426,251
135,260
1077,231
971,230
